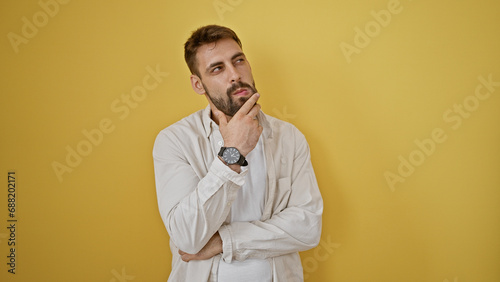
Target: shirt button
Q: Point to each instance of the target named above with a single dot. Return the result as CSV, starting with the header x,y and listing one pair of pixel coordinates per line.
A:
x,y
228,204
220,143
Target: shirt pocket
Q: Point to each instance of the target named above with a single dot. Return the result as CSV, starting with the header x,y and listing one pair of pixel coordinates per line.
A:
x,y
283,190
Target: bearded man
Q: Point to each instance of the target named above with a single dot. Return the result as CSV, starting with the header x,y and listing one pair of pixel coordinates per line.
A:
x,y
236,188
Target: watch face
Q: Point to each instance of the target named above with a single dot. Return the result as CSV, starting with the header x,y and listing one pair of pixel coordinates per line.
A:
x,y
231,155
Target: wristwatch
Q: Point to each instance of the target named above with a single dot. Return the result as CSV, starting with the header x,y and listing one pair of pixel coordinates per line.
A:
x,y
231,155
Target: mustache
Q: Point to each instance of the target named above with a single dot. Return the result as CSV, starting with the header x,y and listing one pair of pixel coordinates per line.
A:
x,y
240,84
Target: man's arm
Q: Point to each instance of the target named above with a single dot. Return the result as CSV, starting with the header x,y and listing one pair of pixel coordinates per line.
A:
x,y
194,206
297,227
212,248
295,224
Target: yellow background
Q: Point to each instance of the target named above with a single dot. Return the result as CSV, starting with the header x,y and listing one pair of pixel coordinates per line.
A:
x,y
359,112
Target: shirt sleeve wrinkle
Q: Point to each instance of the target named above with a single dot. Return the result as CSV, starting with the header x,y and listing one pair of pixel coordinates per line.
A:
x,y
227,246
295,228
206,187
185,200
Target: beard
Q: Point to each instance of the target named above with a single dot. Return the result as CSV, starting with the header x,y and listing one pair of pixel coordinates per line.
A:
x,y
231,106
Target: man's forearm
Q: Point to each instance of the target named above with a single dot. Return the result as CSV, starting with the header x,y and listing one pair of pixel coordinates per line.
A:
x,y
191,219
285,233
212,248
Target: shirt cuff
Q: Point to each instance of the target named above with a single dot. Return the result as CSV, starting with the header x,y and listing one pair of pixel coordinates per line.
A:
x,y
227,243
218,175
222,170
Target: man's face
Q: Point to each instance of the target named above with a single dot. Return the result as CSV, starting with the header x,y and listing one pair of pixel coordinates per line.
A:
x,y
226,75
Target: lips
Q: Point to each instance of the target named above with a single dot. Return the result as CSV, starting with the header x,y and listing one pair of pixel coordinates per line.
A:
x,y
240,92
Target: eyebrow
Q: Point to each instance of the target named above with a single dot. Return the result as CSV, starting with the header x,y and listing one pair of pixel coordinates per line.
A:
x,y
220,63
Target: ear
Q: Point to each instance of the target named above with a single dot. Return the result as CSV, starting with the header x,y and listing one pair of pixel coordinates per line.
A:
x,y
197,85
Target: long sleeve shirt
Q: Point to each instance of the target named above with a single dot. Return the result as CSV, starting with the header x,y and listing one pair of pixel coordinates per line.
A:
x,y
195,191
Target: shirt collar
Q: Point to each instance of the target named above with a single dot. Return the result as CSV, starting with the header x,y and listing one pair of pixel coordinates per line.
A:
x,y
210,125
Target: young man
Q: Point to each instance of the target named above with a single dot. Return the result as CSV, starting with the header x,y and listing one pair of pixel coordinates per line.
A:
x,y
236,188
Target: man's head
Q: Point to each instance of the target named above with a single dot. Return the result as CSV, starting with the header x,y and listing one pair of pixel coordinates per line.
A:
x,y
219,68
205,35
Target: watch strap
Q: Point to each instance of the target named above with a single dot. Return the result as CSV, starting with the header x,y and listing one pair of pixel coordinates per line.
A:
x,y
242,161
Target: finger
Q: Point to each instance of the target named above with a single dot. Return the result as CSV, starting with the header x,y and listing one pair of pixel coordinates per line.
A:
x,y
222,118
249,104
254,111
260,128
215,111
185,258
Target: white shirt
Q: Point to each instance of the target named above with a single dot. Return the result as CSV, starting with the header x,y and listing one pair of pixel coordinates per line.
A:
x,y
248,206
195,191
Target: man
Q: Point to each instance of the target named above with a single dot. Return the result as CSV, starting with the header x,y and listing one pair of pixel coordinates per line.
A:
x,y
236,188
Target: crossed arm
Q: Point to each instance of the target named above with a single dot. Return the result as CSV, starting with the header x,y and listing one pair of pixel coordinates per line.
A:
x,y
212,248
194,216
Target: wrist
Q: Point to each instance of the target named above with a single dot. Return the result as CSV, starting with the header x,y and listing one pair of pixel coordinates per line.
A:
x,y
234,167
241,151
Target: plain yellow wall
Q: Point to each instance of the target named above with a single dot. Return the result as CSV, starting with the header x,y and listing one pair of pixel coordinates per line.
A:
x,y
399,101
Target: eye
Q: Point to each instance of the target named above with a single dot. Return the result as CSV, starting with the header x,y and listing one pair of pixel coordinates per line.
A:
x,y
216,69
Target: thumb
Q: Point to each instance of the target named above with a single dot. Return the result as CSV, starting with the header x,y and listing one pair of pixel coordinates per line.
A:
x,y
222,118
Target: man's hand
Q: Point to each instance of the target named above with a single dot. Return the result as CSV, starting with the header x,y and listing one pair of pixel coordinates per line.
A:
x,y
243,130
212,248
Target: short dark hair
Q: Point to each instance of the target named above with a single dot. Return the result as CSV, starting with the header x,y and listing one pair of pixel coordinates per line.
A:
x,y
204,35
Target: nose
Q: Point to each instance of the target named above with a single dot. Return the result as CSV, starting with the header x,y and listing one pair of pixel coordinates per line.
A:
x,y
234,74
